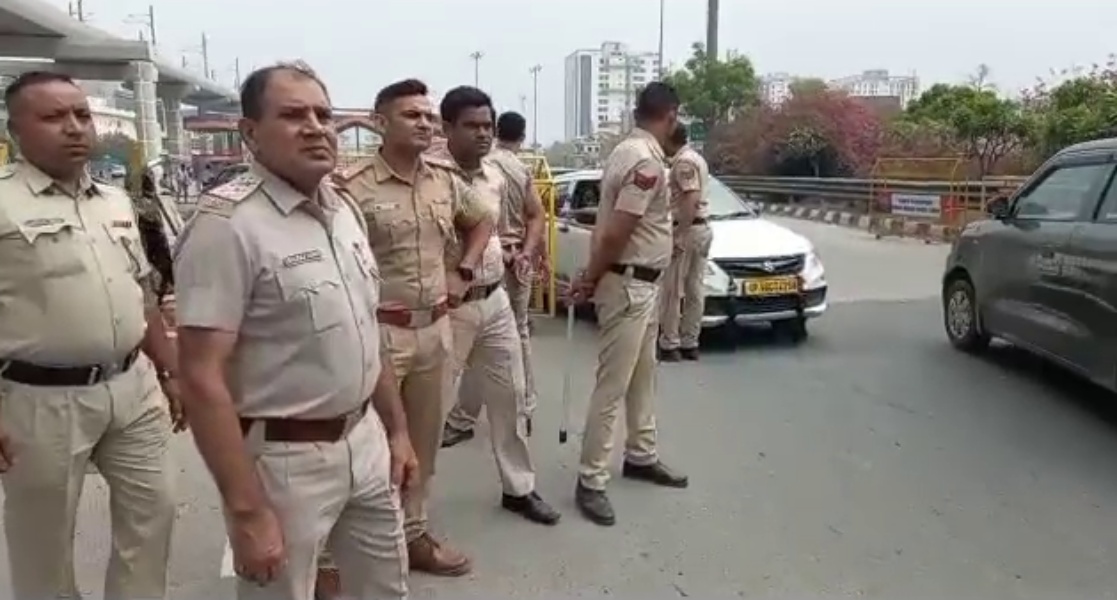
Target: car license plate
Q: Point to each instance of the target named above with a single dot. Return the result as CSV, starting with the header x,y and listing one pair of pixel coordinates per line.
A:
x,y
770,286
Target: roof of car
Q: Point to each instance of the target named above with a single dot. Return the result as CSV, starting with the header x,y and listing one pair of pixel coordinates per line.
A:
x,y
1102,144
579,175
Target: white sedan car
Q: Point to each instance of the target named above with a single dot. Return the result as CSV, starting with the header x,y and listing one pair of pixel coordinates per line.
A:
x,y
758,272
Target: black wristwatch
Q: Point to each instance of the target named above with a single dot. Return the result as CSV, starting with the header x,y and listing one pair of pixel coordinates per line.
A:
x,y
466,273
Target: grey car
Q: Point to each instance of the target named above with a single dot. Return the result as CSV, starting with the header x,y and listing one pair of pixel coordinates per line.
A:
x,y
1041,273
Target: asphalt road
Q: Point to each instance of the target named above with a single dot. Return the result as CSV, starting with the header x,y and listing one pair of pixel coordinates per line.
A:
x,y
872,461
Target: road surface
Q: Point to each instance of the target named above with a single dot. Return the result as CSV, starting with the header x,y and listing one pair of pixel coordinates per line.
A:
x,y
871,461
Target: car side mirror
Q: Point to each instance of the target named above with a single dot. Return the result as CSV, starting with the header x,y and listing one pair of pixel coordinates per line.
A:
x,y
998,208
585,216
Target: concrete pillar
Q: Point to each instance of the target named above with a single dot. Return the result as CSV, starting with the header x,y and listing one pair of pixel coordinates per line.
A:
x,y
144,77
172,95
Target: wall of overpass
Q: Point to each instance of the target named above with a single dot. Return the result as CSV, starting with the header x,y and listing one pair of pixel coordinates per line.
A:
x,y
38,36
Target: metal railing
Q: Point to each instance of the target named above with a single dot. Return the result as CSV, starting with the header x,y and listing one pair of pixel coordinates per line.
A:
x,y
860,194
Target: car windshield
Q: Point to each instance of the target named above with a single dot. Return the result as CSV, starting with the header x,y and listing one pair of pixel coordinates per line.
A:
x,y
724,203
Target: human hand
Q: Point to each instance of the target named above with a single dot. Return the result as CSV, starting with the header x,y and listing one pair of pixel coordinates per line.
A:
x,y
456,288
405,464
259,552
581,289
174,402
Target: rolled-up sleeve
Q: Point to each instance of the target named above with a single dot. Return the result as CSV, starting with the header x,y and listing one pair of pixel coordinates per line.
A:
x,y
639,186
213,275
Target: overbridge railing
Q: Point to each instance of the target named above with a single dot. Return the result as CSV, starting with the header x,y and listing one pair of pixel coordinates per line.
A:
x,y
949,203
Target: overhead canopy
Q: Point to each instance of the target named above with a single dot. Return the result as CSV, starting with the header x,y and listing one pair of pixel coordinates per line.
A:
x,y
35,30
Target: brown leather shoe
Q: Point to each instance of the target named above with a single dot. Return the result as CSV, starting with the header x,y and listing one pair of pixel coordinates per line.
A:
x,y
428,555
328,585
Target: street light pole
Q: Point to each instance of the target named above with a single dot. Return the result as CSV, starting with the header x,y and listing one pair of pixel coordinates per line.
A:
x,y
477,56
205,57
662,12
712,29
535,105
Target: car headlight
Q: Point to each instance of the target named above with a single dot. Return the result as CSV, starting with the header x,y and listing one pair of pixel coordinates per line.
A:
x,y
716,281
813,274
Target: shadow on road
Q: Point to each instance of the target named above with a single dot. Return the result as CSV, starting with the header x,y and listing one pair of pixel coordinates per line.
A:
x,y
1060,383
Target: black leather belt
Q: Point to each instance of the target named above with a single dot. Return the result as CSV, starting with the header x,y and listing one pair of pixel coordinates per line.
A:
x,y
39,375
646,274
481,292
696,221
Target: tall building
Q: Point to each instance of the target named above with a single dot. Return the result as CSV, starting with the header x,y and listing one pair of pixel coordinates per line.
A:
x,y
878,83
601,85
776,87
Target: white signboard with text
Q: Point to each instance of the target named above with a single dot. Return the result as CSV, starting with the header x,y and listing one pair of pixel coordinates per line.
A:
x,y
916,205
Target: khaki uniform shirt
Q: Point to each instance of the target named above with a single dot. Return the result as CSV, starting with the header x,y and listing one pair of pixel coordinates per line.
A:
x,y
298,284
68,271
512,225
411,221
635,181
690,173
490,186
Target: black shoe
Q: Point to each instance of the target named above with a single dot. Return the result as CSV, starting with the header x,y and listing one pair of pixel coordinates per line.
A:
x,y
452,437
689,353
532,508
672,355
656,473
528,427
595,505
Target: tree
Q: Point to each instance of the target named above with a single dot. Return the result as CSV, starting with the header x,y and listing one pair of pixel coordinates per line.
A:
x,y
1081,107
805,86
114,147
815,133
714,91
979,79
561,154
987,126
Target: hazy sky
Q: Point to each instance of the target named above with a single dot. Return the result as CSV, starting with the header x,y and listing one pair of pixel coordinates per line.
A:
x,y
360,45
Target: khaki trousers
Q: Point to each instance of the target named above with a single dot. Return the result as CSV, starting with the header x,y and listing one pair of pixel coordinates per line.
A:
x,y
467,410
339,493
683,298
488,365
626,316
421,360
123,426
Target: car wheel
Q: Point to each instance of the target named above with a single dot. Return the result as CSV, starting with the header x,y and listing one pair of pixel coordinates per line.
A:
x,y
961,317
794,330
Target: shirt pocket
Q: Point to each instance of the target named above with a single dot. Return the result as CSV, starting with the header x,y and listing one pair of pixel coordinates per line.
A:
x,y
389,221
316,301
58,246
128,248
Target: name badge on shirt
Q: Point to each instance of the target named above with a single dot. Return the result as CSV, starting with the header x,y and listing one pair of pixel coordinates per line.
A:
x,y
122,224
302,258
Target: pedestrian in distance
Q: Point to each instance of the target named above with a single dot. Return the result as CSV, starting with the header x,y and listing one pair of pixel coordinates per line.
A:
x,y
87,373
487,357
630,250
277,291
683,297
520,226
417,210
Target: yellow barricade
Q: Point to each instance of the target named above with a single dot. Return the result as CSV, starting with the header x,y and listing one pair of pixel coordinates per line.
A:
x,y
543,298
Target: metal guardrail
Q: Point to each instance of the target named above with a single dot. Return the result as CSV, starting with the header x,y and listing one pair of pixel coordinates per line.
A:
x,y
860,193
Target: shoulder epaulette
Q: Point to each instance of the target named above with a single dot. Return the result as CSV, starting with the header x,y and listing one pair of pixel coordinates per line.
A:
x,y
440,162
224,199
353,170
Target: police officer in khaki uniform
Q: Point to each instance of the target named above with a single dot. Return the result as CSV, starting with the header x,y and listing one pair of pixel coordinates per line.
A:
x,y
487,347
630,250
521,235
683,297
417,209
277,292
83,351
